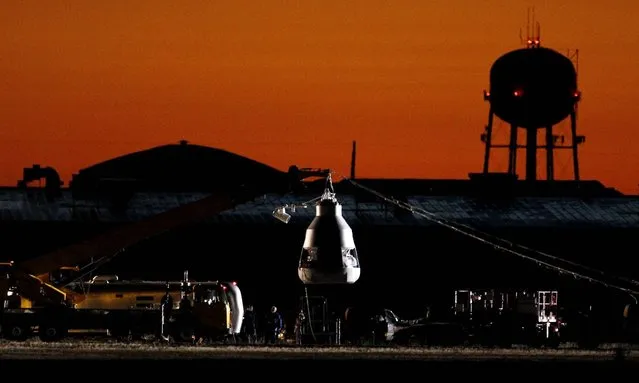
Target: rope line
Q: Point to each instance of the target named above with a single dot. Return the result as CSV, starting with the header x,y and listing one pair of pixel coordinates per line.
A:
x,y
506,245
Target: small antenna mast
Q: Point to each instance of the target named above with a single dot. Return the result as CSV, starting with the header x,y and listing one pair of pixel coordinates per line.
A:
x,y
528,25
353,157
537,38
533,29
533,22
538,34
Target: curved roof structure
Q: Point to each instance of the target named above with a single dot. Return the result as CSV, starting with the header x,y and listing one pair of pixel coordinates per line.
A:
x,y
179,167
144,183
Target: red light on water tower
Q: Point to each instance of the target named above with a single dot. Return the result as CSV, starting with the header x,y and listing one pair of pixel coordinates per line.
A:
x,y
518,93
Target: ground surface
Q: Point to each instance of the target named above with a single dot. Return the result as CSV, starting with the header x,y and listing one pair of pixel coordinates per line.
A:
x,y
115,361
100,349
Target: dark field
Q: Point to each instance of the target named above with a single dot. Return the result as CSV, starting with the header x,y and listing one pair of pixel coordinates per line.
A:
x,y
104,350
324,361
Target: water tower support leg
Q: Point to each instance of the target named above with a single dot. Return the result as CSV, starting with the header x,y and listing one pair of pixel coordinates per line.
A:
x,y
550,159
512,151
488,140
531,154
573,131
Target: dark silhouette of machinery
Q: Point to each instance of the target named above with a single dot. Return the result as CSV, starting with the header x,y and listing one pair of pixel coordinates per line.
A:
x,y
52,185
533,88
43,291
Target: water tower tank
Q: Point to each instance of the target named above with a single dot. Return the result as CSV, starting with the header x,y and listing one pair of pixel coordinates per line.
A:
x,y
533,87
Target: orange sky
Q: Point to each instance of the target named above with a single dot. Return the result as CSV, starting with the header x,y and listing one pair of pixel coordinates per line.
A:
x,y
294,82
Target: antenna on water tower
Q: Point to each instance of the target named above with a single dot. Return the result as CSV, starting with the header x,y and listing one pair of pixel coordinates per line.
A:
x,y
533,32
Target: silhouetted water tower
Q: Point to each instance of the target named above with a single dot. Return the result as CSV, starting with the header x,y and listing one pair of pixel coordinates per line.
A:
x,y
533,88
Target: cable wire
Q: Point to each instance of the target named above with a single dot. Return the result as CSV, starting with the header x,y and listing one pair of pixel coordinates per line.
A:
x,y
308,310
505,245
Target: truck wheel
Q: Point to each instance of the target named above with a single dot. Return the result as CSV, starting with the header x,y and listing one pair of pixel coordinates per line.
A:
x,y
416,340
120,332
51,332
16,332
185,334
553,342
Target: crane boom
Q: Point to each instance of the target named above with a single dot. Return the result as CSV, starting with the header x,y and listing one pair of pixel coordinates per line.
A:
x,y
114,241
33,276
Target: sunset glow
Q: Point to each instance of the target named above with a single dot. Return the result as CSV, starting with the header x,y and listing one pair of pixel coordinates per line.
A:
x,y
296,82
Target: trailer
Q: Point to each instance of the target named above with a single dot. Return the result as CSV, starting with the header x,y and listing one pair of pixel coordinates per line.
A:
x,y
507,317
175,310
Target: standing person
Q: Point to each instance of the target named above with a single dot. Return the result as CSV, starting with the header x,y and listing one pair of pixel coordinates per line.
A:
x,y
167,309
380,329
249,324
187,320
274,326
300,322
